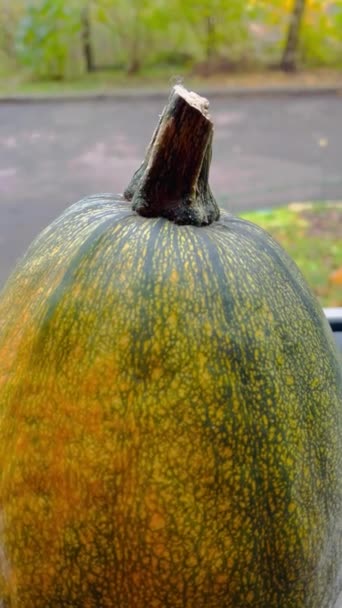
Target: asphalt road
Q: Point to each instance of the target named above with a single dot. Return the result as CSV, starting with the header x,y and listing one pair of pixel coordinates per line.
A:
x,y
267,151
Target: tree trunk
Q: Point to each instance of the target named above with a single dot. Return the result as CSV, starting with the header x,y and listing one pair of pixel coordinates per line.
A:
x,y
86,40
134,59
289,58
210,37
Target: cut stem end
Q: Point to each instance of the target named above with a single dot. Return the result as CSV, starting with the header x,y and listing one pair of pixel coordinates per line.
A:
x,y
172,182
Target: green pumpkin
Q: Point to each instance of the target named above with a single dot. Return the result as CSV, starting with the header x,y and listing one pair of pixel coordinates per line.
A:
x,y
170,404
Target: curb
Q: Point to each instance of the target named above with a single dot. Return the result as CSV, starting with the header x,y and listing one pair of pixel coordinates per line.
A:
x,y
140,93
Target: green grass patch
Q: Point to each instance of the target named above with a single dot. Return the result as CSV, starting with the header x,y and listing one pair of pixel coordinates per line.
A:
x,y
21,82
311,234
15,80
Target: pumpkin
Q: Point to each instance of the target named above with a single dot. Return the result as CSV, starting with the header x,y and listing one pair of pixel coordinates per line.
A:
x,y
170,404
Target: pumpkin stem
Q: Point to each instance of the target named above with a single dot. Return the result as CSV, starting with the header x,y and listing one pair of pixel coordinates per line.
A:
x,y
172,181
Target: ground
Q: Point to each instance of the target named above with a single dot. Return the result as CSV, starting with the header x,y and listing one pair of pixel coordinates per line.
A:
x,y
15,82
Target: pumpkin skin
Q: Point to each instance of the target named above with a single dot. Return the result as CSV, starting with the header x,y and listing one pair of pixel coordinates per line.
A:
x,y
171,421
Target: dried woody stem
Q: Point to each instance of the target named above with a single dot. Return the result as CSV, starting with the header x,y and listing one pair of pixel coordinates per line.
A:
x,y
172,182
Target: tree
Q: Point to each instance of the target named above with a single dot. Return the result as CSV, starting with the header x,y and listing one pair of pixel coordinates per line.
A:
x,y
135,25
321,33
289,58
86,38
11,14
221,29
45,37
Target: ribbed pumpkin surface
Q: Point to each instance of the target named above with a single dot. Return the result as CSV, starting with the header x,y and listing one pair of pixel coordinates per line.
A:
x,y
171,420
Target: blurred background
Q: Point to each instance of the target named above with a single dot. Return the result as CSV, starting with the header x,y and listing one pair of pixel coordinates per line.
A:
x,y
82,84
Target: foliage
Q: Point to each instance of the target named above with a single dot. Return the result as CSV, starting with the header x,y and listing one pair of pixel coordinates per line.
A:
x,y
139,33
10,13
322,25
137,26
45,36
220,26
320,34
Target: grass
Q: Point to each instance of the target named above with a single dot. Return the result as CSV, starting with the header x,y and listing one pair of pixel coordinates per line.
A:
x,y
311,234
22,83
14,81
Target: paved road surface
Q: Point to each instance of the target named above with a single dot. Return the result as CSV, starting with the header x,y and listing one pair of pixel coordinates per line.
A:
x,y
267,151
